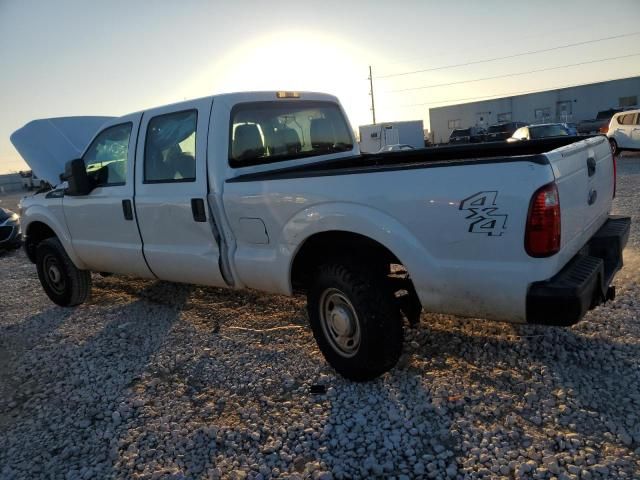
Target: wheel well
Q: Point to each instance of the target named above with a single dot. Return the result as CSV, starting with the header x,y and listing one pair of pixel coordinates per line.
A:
x,y
318,248
36,232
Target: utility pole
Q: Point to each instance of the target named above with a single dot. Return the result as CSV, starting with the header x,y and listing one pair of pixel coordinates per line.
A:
x,y
373,105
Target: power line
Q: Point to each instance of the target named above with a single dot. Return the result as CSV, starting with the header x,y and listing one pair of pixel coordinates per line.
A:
x,y
522,54
512,74
493,41
504,94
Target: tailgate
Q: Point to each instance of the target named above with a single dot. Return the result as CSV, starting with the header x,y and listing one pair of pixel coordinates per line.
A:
x,y
584,176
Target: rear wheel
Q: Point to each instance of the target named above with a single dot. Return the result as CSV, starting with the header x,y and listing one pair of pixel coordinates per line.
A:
x,y
614,147
355,320
63,283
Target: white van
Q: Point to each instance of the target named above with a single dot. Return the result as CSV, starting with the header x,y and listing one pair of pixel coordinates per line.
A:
x,y
624,131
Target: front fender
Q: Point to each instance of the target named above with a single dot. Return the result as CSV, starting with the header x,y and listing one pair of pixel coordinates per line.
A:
x,y
353,218
39,213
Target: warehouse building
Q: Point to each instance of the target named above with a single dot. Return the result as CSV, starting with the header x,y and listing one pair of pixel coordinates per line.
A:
x,y
10,182
571,104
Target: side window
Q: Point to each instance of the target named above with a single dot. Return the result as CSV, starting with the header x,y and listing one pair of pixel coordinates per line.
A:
x,y
170,148
626,119
106,158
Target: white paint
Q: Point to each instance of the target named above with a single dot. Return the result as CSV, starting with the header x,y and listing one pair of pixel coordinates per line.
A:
x,y
415,213
627,134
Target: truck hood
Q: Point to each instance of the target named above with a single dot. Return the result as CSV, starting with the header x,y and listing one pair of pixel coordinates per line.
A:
x,y
49,143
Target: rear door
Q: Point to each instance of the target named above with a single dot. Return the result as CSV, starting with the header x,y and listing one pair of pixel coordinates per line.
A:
x,y
171,194
102,224
634,138
622,125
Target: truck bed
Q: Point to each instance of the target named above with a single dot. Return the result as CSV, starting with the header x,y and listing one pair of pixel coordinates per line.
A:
x,y
490,152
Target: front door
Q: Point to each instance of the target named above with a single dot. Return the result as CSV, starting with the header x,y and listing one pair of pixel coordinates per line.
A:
x,y
102,224
171,194
391,136
635,133
482,119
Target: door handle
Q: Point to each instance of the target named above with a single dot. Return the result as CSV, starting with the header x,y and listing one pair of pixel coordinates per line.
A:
x,y
127,209
591,166
197,208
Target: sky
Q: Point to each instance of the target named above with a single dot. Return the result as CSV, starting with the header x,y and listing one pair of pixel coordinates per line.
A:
x,y
65,57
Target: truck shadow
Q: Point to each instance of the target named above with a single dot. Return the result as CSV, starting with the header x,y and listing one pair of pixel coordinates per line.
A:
x,y
546,386
81,370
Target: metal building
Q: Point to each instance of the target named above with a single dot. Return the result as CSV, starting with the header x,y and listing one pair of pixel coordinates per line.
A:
x,y
10,182
571,104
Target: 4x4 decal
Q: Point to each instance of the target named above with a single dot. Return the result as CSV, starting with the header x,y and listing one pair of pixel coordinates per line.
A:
x,y
482,210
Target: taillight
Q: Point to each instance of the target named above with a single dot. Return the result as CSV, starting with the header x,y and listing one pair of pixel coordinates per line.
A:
x,y
604,129
542,234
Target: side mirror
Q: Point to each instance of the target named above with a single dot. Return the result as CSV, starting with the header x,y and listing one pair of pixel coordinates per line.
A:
x,y
75,174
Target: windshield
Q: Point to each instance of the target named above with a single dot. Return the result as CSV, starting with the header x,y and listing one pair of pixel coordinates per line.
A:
x,y
542,131
461,133
498,128
265,132
606,114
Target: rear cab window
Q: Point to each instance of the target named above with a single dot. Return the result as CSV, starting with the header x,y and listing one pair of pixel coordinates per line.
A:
x,y
267,132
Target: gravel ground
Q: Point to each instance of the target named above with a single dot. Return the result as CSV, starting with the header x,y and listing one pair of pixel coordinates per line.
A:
x,y
158,380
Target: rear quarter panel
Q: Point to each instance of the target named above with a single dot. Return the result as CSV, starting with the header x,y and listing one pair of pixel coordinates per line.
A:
x,y
459,230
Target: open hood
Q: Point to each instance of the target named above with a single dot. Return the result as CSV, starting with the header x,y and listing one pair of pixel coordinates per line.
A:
x,y
48,144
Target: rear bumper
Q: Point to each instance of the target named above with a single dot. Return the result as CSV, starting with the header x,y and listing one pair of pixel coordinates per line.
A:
x,y
584,282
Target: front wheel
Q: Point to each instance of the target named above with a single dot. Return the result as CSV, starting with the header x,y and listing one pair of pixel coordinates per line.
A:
x,y
355,320
614,147
63,283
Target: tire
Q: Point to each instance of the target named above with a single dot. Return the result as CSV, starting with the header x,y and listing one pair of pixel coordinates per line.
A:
x,y
63,283
355,320
614,147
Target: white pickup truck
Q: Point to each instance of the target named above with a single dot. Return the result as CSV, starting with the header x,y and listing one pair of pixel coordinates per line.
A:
x,y
268,191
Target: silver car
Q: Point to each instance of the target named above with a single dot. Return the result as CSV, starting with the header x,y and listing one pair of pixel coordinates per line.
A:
x,y
10,234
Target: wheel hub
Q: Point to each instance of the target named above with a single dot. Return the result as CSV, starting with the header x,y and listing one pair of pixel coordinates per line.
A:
x,y
54,273
340,322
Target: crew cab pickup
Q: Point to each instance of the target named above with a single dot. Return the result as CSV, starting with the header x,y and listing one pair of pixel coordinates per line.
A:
x,y
268,191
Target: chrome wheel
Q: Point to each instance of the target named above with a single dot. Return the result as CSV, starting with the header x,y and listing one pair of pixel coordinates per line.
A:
x,y
53,274
339,322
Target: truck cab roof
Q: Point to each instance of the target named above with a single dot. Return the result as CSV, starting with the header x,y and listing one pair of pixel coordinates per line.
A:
x,y
48,144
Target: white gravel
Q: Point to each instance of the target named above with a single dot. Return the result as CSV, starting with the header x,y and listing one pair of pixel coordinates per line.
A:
x,y
156,380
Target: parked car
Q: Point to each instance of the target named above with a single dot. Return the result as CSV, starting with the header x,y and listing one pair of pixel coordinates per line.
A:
x,y
572,128
467,135
10,235
502,131
542,130
398,147
30,181
624,131
268,190
602,119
